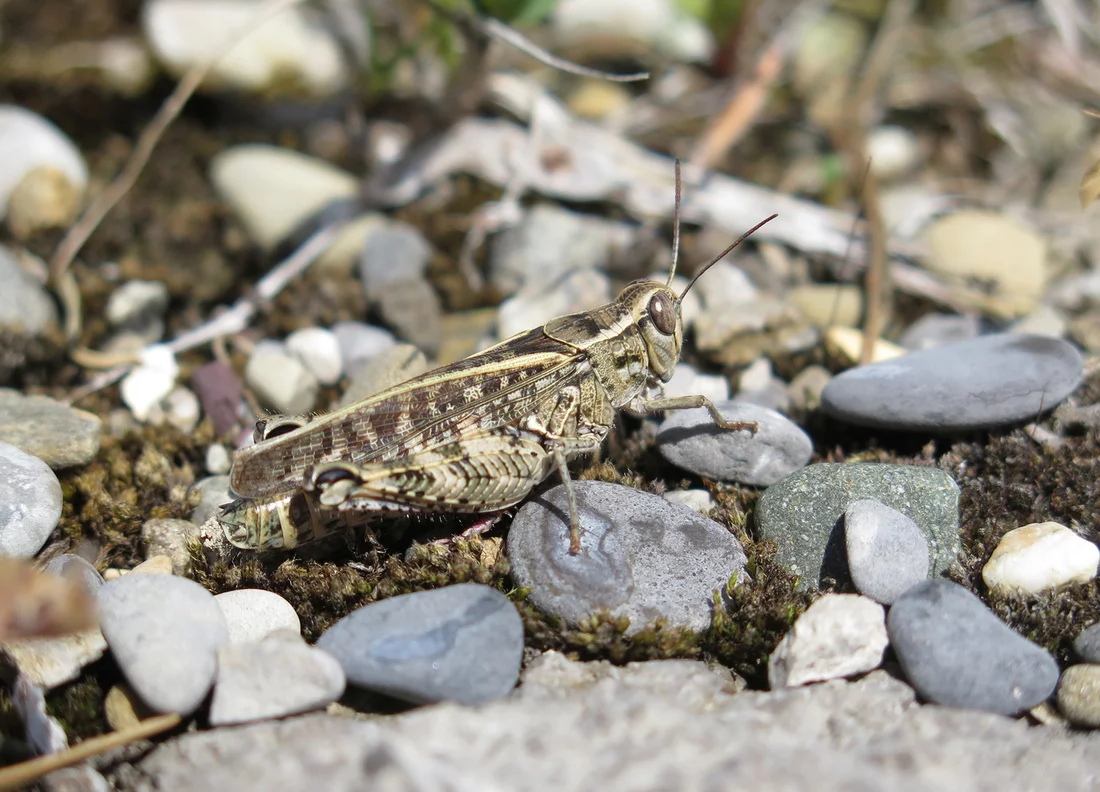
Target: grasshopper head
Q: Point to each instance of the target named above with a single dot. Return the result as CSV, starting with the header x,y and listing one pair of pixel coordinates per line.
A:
x,y
655,310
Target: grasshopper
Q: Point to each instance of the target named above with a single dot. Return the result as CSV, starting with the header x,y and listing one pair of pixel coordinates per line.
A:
x,y
473,436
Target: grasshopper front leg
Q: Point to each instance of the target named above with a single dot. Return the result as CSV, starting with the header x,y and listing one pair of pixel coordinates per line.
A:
x,y
643,406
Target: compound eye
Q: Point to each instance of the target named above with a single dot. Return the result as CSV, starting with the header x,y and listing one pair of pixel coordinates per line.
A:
x,y
663,313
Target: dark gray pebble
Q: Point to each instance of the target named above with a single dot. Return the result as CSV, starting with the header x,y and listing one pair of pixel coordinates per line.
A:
x,y
1087,644
460,643
803,513
641,557
987,381
691,440
955,651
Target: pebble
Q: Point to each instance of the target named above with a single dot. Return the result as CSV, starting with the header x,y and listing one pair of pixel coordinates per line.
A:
x,y
548,242
360,343
892,151
846,344
180,408
537,304
1006,257
149,383
164,633
1040,556
213,492
840,635
319,351
81,778
289,49
123,709
54,661
806,388
1087,644
765,327
956,652
1045,320
276,191
281,383
25,306
394,252
887,552
59,435
802,513
28,141
278,676
691,440
170,538
220,394
697,499
395,365
989,381
217,461
461,643
936,329
825,305
599,100
254,614
624,26
686,381
725,286
827,49
136,302
1079,695
44,198
411,308
758,385
641,557
30,502
73,567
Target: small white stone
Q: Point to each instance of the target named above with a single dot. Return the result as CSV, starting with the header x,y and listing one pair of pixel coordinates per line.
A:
x,y
319,351
28,141
698,499
144,388
218,461
282,383
287,48
1041,556
180,408
136,299
838,636
253,614
892,151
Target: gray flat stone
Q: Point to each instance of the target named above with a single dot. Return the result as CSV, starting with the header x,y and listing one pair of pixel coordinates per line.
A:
x,y
956,652
164,633
30,502
803,513
254,614
59,435
460,643
641,557
1087,644
887,553
988,381
690,439
75,568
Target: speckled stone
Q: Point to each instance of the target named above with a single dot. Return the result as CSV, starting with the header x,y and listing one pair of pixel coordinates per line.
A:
x,y
59,435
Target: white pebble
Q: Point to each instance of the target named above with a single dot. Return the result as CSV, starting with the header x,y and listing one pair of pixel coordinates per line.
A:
x,y
253,614
1041,556
891,151
144,388
30,502
838,636
28,141
180,408
136,299
282,383
319,351
288,48
218,461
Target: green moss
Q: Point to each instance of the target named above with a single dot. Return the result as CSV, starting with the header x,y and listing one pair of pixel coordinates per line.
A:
x,y
78,707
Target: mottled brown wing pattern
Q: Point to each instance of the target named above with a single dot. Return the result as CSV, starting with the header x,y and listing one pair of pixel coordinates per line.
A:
x,y
487,390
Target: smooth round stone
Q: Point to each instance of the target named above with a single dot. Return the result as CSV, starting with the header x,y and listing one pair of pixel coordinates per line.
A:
x,y
25,306
1040,556
164,633
28,141
217,461
148,384
1079,695
282,383
460,643
641,557
76,569
691,440
936,329
359,343
59,435
954,651
30,502
806,388
825,305
697,499
988,381
887,552
278,676
394,252
254,614
536,304
170,538
319,351
840,635
892,151
846,344
133,303
802,513
1087,644
213,494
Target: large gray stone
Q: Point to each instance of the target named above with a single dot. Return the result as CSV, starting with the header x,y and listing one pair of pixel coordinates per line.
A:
x,y
59,435
30,502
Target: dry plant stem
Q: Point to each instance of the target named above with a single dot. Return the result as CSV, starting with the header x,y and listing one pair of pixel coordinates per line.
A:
x,y
18,776
236,318
103,203
494,28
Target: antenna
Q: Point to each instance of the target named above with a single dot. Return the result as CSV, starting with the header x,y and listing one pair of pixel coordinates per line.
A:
x,y
675,226
725,252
